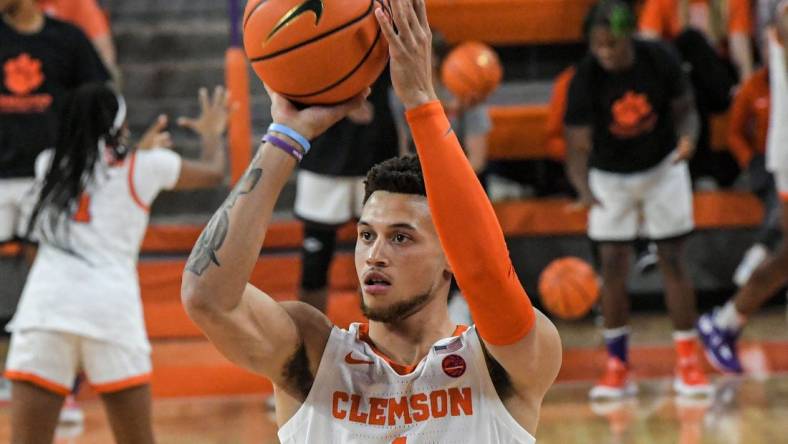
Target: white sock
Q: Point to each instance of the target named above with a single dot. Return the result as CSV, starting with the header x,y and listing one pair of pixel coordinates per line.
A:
x,y
613,333
729,318
683,335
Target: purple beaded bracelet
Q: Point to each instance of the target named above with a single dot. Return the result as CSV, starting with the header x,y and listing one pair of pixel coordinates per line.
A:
x,y
284,146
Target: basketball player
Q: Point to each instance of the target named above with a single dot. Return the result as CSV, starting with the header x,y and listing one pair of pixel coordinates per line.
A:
x,y
630,119
410,375
721,329
81,308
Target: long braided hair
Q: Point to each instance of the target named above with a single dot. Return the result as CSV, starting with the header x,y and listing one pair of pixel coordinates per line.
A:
x,y
91,121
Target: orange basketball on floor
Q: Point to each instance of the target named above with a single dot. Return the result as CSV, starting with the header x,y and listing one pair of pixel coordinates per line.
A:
x,y
472,71
568,287
315,51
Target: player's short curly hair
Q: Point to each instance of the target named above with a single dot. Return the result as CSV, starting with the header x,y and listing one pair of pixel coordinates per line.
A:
x,y
396,175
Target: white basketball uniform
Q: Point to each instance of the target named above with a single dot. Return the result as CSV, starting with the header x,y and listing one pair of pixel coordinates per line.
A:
x,y
87,302
777,139
358,396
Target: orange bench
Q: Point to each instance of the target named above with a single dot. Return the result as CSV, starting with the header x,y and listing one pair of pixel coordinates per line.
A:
x,y
508,22
518,132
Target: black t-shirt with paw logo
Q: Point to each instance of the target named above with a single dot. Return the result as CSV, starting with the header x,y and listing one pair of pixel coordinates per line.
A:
x,y
38,69
629,111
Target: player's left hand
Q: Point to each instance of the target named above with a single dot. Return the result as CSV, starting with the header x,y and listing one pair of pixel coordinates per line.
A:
x,y
214,113
156,135
684,151
410,49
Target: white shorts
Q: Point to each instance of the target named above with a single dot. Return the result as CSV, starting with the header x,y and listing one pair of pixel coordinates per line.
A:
x,y
655,203
51,360
12,195
781,181
328,200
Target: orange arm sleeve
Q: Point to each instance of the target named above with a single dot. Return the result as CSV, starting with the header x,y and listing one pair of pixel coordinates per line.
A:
x,y
739,122
469,231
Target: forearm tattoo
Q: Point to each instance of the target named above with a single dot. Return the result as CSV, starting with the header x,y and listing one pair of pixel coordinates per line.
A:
x,y
215,233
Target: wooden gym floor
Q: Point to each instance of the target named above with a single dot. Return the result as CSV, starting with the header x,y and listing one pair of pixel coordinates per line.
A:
x,y
746,410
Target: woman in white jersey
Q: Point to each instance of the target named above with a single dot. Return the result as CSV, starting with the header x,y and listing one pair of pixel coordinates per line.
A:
x,y
81,308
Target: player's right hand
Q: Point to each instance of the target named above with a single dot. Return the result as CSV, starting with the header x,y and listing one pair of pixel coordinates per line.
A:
x,y
584,201
314,120
410,46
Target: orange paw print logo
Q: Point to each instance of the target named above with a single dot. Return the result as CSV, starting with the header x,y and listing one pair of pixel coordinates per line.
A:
x,y
630,110
23,74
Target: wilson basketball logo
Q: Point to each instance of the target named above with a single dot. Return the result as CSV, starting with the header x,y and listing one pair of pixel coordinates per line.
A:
x,y
454,366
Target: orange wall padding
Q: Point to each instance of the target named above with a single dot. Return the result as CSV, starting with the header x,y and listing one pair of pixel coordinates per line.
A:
x,y
509,21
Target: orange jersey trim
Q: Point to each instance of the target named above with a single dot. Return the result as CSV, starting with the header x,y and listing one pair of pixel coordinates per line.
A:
x,y
123,384
44,383
132,189
402,370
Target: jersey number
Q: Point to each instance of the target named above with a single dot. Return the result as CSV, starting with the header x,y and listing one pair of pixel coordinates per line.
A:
x,y
82,215
400,440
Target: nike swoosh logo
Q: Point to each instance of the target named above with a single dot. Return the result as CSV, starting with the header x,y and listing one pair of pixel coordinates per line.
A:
x,y
351,360
315,6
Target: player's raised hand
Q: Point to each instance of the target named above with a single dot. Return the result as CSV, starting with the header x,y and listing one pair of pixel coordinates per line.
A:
x,y
314,120
156,135
410,46
214,113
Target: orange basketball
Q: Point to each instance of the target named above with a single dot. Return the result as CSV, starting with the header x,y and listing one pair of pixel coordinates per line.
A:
x,y
568,287
472,70
315,51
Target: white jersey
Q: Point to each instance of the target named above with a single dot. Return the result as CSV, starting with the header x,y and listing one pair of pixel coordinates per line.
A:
x,y
359,397
94,290
777,138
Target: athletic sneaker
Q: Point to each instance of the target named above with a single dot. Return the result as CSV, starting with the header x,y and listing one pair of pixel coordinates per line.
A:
x,y
616,383
71,413
690,379
719,344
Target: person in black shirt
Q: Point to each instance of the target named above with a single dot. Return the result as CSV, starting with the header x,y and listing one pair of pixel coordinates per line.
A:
x,y
330,183
631,126
42,59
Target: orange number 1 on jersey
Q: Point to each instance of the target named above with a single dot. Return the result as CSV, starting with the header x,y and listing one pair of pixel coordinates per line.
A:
x,y
400,440
82,214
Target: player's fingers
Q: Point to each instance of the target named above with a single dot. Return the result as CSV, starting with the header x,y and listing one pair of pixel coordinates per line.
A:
x,y
159,124
218,96
186,122
164,140
387,27
412,16
421,13
203,97
400,10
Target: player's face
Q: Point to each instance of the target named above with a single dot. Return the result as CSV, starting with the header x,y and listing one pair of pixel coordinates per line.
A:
x,y
399,259
612,53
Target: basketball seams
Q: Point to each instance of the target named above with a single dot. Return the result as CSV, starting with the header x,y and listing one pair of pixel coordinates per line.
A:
x,y
347,76
251,12
316,38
